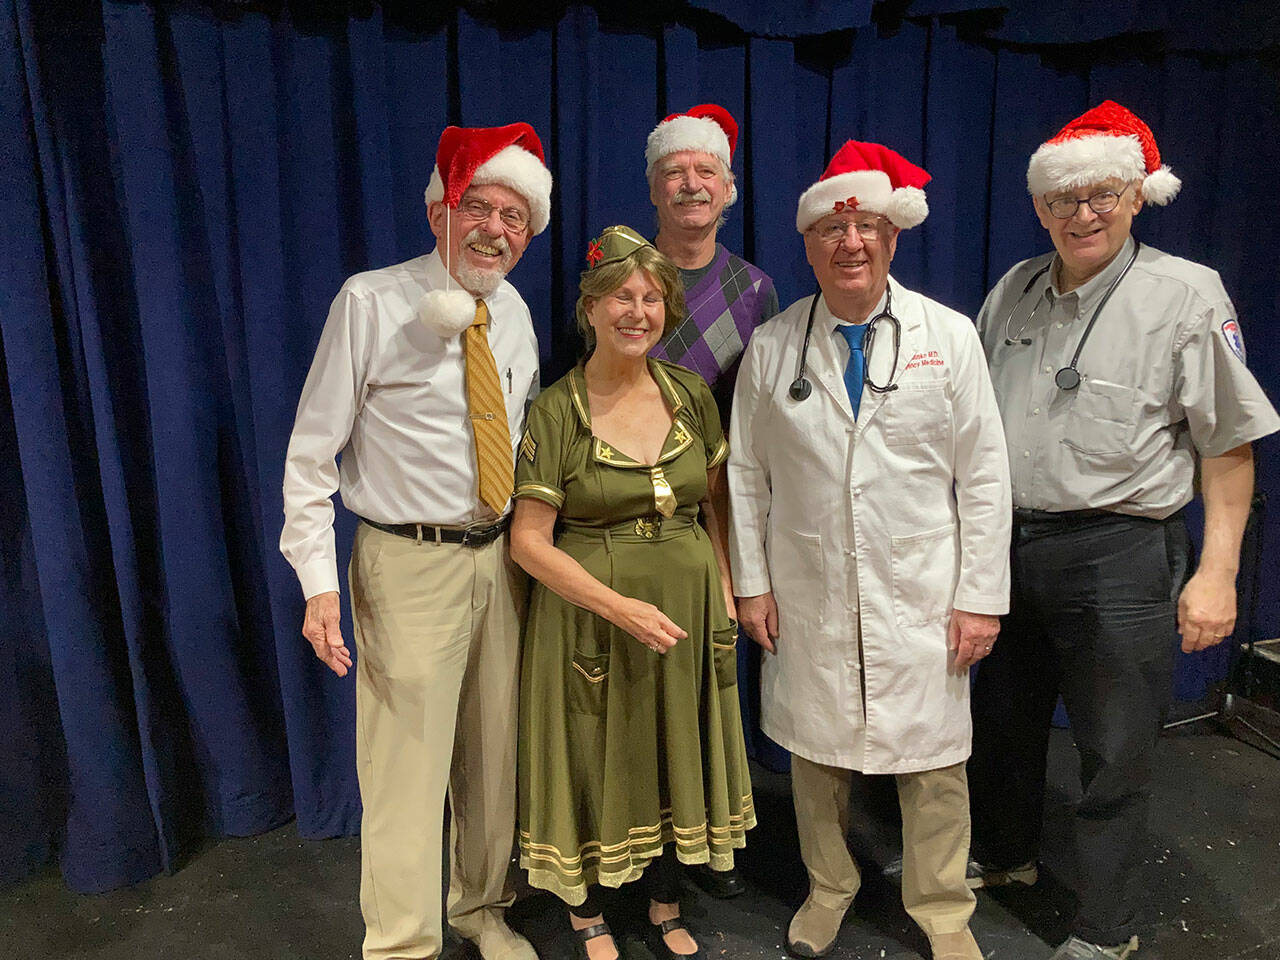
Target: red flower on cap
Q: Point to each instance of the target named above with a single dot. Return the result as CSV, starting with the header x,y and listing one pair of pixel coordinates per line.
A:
x,y
594,253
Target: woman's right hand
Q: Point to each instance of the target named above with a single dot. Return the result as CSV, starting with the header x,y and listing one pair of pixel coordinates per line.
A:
x,y
647,624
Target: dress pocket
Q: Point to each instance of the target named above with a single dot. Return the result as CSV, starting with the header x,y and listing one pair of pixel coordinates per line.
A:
x,y
588,683
916,414
925,566
724,650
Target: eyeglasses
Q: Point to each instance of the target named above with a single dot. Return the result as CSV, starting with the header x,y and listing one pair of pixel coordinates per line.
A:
x,y
513,218
833,231
1104,201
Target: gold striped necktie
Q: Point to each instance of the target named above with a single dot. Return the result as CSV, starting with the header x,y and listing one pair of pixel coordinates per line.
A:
x,y
494,461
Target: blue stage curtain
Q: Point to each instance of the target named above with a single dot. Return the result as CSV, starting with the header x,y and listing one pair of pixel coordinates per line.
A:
x,y
185,187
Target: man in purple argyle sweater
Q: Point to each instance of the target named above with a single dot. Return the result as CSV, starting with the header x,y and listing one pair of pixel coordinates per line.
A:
x,y
689,165
689,160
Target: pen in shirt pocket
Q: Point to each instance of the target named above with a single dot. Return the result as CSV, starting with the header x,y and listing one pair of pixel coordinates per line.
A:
x,y
508,379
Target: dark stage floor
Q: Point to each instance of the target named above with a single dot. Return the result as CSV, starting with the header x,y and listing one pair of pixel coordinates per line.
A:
x,y
1211,879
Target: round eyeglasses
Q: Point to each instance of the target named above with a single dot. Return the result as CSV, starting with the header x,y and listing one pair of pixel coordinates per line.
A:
x,y
513,218
1104,201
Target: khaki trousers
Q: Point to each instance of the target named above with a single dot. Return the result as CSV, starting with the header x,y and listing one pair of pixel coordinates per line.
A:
x,y
935,841
437,632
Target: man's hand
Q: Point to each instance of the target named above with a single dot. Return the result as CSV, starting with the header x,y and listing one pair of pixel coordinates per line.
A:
x,y
321,627
1206,611
971,637
758,615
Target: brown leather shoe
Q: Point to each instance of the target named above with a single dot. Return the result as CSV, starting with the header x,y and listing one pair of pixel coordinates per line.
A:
x,y
814,929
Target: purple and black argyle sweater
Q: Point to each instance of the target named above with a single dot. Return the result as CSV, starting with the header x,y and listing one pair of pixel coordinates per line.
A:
x,y
727,300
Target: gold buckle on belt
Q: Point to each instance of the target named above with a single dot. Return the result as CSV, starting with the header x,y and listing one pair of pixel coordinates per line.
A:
x,y
648,527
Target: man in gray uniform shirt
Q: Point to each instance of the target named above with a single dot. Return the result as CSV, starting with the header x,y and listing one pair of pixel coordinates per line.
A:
x,y
1119,370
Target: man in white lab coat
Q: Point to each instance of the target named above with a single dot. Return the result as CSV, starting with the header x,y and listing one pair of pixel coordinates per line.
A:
x,y
871,513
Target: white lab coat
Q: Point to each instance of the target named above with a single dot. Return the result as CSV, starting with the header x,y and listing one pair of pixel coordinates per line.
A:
x,y
899,518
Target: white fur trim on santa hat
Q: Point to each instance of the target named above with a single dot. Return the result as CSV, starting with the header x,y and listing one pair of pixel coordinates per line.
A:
x,y
1160,187
700,134
1084,161
512,167
446,313
905,207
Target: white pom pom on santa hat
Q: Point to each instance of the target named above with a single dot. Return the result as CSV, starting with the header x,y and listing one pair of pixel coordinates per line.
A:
x,y
867,176
1108,142
446,313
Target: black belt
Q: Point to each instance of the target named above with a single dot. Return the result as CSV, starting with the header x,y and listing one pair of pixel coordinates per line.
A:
x,y
1021,515
472,535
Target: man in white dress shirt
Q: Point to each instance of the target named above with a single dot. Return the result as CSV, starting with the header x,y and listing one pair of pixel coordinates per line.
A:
x,y
420,382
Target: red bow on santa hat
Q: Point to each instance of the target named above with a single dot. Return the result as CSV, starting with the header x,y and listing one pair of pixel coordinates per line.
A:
x,y
851,203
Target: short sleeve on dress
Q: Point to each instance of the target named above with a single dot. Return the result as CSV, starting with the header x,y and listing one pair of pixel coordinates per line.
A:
x,y
704,408
539,459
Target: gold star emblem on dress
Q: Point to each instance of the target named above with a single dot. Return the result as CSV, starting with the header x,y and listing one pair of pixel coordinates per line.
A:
x,y
681,435
604,451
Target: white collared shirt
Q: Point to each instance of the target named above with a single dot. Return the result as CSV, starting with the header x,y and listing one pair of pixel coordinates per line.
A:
x,y
390,396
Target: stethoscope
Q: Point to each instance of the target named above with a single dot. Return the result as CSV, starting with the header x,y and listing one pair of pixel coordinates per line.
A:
x,y
801,387
1068,378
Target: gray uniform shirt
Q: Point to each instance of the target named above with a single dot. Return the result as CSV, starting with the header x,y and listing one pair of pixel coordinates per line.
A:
x,y
1163,380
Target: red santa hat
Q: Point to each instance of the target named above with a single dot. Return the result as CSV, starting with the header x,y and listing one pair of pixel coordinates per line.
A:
x,y
867,176
706,128
510,156
1106,142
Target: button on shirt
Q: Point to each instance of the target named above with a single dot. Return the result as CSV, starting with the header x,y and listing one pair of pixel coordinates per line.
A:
x,y
1161,383
390,396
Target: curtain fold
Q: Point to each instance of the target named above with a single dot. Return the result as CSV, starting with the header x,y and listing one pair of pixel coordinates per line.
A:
x,y
186,187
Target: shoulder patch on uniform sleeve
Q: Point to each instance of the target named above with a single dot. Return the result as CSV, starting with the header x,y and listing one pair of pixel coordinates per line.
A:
x,y
528,447
1235,339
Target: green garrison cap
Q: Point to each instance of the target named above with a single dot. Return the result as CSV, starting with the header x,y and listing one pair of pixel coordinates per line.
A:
x,y
615,243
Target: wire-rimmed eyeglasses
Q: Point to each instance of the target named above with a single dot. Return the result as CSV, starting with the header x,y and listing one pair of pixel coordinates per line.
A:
x,y
1104,201
513,218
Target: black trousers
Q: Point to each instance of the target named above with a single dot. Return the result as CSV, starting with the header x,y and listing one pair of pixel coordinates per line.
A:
x,y
1093,617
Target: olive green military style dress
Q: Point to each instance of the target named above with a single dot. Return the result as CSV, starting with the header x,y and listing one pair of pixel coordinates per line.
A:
x,y
622,749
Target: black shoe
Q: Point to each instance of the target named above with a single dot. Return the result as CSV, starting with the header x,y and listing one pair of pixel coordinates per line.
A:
x,y
721,884
590,933
658,942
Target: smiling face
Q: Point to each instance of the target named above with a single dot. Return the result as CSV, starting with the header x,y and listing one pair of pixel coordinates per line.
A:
x,y
1086,241
480,253
854,271
628,321
690,190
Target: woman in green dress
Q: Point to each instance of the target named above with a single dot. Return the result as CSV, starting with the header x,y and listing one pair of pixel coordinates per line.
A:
x,y
631,748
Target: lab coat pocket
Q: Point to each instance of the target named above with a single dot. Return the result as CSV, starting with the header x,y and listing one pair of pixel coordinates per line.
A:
x,y
1101,419
588,682
798,571
724,651
925,567
916,413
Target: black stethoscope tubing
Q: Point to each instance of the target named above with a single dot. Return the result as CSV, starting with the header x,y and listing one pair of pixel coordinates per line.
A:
x,y
1068,377
801,387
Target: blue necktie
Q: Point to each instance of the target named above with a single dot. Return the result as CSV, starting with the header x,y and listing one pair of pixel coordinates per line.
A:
x,y
857,365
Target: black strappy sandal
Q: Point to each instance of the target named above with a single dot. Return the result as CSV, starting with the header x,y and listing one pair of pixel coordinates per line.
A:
x,y
590,933
658,942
